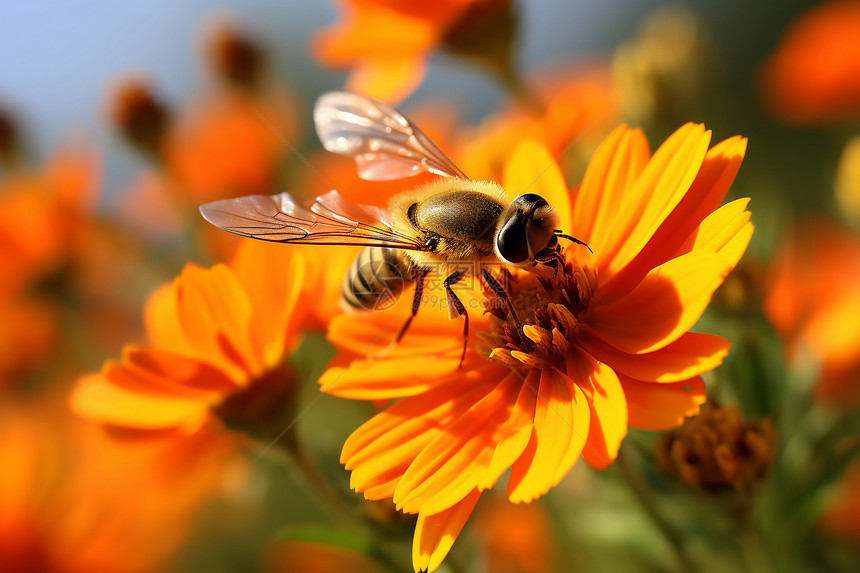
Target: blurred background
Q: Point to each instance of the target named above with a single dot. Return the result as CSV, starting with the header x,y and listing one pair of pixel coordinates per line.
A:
x,y
118,119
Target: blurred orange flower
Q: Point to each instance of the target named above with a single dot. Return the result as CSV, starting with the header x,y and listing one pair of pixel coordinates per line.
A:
x,y
74,500
219,340
27,330
814,74
388,43
230,145
44,215
813,301
573,106
841,517
516,538
46,219
604,343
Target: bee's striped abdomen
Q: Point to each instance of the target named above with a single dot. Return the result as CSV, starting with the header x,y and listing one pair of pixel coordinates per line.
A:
x,y
376,278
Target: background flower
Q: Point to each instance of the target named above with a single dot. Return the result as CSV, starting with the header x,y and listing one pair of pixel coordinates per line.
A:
x,y
114,129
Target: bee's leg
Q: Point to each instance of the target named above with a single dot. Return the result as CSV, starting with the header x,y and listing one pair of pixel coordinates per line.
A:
x,y
416,302
457,308
503,295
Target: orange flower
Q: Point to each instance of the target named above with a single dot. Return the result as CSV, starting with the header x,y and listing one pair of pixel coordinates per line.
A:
x,y
841,517
27,330
230,145
45,223
814,74
388,43
574,104
604,344
45,215
219,339
516,538
74,500
813,300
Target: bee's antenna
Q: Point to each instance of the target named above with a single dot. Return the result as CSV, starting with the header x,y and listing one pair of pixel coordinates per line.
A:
x,y
558,233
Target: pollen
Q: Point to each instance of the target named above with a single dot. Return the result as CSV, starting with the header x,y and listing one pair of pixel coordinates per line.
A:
x,y
548,308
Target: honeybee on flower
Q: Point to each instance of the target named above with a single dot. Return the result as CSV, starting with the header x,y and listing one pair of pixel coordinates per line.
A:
x,y
571,357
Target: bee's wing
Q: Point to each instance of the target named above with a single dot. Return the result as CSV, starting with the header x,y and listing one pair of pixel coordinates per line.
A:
x,y
383,142
328,220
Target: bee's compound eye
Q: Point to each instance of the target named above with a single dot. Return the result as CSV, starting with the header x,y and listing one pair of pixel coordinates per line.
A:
x,y
538,222
512,243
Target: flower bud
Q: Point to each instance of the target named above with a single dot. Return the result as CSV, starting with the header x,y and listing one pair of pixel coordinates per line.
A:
x,y
139,115
718,451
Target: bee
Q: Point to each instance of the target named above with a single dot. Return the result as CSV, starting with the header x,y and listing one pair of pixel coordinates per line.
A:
x,y
452,222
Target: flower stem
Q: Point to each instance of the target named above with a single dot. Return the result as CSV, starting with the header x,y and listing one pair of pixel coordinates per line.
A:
x,y
646,500
320,482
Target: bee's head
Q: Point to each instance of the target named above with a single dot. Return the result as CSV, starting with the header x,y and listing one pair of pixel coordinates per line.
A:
x,y
526,230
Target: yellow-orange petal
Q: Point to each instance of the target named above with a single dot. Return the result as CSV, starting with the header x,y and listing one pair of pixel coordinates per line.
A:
x,y
161,317
366,333
276,297
156,371
608,407
435,534
692,354
381,449
661,308
658,190
562,418
215,314
515,434
388,378
613,169
727,231
707,191
653,406
532,169
388,79
99,399
456,461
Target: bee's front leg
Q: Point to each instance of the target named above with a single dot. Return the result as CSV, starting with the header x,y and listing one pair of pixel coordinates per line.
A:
x,y
503,295
457,308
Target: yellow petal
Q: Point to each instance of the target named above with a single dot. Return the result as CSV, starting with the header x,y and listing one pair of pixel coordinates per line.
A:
x,y
388,378
715,176
161,316
435,534
655,194
516,433
722,227
654,406
389,79
613,169
560,432
661,308
531,169
692,354
608,407
215,314
380,451
457,460
279,299
99,399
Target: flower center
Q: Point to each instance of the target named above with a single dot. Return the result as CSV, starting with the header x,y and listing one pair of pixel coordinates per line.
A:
x,y
548,307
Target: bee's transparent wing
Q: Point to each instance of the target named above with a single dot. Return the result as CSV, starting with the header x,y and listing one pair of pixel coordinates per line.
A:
x,y
384,143
328,220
